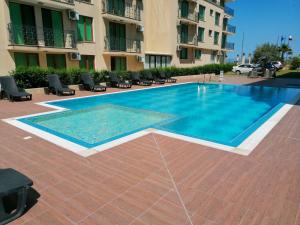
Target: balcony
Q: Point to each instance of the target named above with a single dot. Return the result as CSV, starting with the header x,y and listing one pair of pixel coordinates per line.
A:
x,y
188,17
117,44
57,4
229,11
187,40
31,36
128,11
228,46
229,29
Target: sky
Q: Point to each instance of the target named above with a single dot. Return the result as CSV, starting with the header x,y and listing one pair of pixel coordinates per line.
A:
x,y
264,21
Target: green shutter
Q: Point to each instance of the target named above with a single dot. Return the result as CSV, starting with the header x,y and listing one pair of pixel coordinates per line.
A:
x,y
184,35
89,29
33,60
80,28
198,54
56,61
217,19
20,59
201,34
16,22
91,60
184,53
184,9
201,12
216,38
82,62
57,26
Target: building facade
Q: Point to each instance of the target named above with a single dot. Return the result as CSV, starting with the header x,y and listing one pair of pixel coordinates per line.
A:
x,y
113,34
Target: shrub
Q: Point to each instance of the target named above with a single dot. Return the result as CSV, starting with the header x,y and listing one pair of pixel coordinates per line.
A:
x,y
295,63
34,77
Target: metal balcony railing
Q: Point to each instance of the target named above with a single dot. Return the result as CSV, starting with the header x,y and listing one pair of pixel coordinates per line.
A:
x,y
229,11
42,37
122,45
65,1
192,16
188,40
228,46
229,28
128,11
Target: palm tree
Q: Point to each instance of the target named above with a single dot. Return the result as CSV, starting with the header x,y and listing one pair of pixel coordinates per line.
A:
x,y
283,49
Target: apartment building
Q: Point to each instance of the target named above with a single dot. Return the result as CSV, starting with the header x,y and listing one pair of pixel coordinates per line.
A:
x,y
113,34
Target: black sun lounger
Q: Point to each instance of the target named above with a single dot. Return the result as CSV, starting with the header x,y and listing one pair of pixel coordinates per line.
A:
x,y
10,89
136,79
153,79
116,81
12,185
89,83
163,76
56,87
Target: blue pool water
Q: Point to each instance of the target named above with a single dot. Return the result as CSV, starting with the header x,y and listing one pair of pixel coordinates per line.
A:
x,y
225,114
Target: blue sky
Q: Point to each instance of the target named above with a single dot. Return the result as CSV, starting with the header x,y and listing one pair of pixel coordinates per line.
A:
x,y
263,21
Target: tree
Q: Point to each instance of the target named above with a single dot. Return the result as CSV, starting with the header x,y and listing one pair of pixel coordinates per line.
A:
x,y
267,50
283,49
295,63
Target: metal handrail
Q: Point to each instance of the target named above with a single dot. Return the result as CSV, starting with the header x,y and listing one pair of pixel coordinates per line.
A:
x,y
191,40
72,2
122,44
41,36
129,11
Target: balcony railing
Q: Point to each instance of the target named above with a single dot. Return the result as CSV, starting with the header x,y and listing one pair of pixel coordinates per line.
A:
x,y
41,37
229,28
117,44
128,11
229,11
188,40
192,16
65,1
228,46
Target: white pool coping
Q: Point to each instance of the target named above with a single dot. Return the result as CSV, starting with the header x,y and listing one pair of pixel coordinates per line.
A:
x,y
245,148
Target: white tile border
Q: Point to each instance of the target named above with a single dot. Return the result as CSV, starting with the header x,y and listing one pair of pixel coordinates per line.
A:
x,y
245,148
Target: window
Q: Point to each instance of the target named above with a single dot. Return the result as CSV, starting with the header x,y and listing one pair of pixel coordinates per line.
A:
x,y
23,28
198,54
216,38
184,9
210,33
183,53
213,57
157,61
201,15
184,33
217,19
56,61
53,28
211,12
87,62
117,36
26,59
85,28
118,64
201,34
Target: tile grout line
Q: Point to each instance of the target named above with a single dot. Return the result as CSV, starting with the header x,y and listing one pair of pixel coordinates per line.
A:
x,y
173,181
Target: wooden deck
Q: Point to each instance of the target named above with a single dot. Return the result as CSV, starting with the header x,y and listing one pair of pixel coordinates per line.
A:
x,y
156,180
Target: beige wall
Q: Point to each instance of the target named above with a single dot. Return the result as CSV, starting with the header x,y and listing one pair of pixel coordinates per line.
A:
x,y
159,18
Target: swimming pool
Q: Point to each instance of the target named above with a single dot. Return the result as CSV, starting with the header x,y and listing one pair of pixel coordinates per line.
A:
x,y
215,113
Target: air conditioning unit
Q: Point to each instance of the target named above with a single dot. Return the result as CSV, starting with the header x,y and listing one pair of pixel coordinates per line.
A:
x,y
178,23
178,48
75,56
140,28
140,59
73,15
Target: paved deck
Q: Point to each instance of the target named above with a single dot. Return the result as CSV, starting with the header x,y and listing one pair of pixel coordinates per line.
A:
x,y
156,180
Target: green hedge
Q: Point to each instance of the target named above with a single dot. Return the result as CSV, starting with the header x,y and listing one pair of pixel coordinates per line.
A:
x,y
34,77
